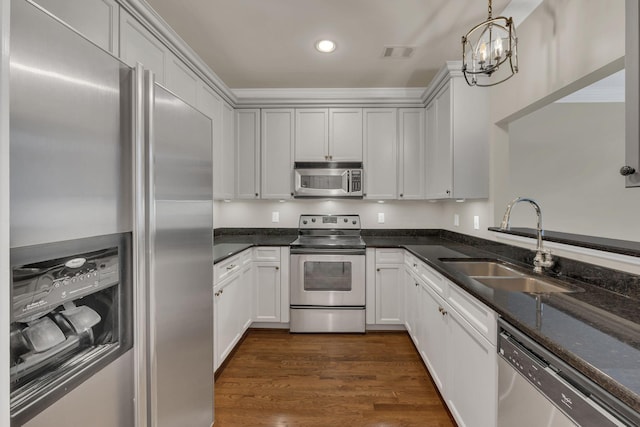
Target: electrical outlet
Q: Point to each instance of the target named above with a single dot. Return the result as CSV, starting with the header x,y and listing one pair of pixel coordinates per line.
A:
x,y
476,222
456,220
380,217
275,216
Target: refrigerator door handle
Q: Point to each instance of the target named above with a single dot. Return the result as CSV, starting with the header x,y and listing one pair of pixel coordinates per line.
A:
x,y
150,237
141,389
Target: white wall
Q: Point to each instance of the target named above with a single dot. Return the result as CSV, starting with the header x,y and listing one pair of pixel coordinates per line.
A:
x,y
566,156
398,214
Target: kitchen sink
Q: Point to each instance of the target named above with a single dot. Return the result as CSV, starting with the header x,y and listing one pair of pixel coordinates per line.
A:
x,y
483,268
504,277
526,284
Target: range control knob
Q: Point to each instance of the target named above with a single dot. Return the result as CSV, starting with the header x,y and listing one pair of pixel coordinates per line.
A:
x,y
313,220
304,221
353,222
346,220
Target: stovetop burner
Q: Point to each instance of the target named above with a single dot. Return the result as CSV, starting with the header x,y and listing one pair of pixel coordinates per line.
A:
x,y
329,231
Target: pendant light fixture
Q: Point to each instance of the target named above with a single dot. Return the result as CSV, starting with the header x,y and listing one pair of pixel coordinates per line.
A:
x,y
489,52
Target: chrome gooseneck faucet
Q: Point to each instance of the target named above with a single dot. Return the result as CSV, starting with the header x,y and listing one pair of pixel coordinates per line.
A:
x,y
543,257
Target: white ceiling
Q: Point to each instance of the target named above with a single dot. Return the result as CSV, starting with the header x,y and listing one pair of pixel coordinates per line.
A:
x,y
269,43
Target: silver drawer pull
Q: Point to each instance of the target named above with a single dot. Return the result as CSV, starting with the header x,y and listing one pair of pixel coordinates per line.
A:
x,y
231,267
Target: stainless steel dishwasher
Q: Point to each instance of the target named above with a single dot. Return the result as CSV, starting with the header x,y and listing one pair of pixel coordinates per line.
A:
x,y
537,389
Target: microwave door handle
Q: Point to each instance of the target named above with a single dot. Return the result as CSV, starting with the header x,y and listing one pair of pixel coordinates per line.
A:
x,y
348,182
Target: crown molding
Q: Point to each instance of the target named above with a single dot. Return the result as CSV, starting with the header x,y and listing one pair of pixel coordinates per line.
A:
x,y
153,22
291,97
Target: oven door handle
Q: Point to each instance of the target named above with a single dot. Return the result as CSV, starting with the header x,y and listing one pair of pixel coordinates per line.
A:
x,y
328,251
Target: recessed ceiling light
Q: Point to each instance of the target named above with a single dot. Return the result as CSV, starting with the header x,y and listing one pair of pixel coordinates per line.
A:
x,y
325,46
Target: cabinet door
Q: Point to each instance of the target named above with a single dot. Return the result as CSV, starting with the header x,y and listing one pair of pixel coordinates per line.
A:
x,y
411,307
380,166
389,294
181,80
211,105
277,153
312,135
433,334
97,20
345,134
266,295
471,384
248,154
227,328
411,153
245,299
228,152
439,146
137,44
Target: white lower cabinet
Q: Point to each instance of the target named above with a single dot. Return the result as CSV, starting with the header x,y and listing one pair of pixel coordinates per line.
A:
x,y
248,288
389,287
454,333
471,390
267,292
229,320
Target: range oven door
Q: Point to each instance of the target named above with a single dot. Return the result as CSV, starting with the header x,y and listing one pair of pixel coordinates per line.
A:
x,y
327,278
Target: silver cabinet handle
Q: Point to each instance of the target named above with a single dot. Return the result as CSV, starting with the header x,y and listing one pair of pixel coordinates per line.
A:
x,y
627,170
231,267
442,311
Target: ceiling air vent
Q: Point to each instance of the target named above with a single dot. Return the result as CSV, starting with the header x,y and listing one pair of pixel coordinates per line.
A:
x,y
398,51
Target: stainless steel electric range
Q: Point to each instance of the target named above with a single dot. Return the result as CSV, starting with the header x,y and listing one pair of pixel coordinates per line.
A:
x,y
328,275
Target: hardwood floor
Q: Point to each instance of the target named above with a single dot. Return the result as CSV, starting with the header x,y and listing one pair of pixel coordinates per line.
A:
x,y
281,379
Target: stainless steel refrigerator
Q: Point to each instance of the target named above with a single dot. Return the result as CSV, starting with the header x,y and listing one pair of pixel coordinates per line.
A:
x,y
175,242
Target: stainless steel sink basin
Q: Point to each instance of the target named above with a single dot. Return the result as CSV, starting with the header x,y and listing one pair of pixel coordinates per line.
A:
x,y
524,284
482,268
504,277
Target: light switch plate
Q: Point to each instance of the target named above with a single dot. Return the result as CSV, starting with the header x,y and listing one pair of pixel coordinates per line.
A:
x,y
476,222
456,220
275,216
380,217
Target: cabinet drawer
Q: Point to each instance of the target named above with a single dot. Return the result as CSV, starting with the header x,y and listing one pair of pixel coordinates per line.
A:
x,y
438,283
389,256
411,262
227,267
481,317
266,253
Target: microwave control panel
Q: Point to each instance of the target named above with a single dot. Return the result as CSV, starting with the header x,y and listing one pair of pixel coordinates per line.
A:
x,y
356,181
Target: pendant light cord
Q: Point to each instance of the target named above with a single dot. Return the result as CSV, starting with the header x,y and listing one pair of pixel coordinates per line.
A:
x,y
490,9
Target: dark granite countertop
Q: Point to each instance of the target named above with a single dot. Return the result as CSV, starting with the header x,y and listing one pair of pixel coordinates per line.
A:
x,y
225,246
596,331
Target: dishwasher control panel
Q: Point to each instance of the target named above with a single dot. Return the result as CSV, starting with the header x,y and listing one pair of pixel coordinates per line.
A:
x,y
576,405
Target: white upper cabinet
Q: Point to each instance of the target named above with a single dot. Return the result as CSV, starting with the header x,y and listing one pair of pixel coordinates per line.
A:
x,y
328,134
224,145
227,188
411,177
457,138
312,135
210,104
277,153
381,153
181,80
345,134
97,20
248,154
137,44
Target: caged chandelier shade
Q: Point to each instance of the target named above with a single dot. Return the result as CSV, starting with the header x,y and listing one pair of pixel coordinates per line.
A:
x,y
489,52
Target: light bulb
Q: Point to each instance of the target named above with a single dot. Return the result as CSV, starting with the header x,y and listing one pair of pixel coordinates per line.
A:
x,y
498,48
483,52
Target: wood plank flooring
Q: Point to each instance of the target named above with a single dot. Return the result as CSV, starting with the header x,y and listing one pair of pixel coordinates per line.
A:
x,y
279,379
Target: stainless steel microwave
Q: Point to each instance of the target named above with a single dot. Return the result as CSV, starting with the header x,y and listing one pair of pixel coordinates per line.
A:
x,y
328,179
